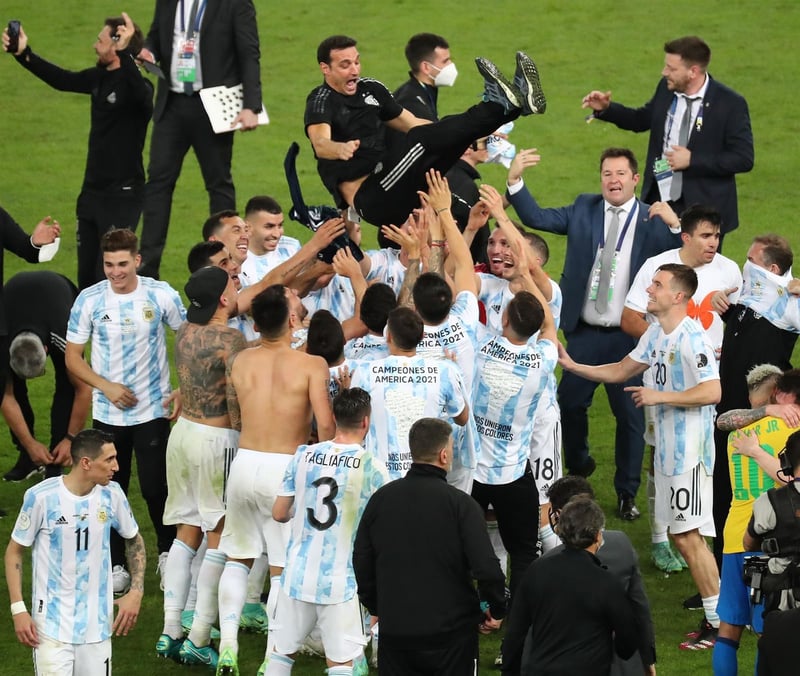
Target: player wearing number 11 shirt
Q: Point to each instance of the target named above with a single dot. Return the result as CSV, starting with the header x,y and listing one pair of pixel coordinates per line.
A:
x,y
329,484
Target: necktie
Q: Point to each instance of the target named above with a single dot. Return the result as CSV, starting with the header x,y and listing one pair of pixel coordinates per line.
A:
x,y
606,258
683,138
188,87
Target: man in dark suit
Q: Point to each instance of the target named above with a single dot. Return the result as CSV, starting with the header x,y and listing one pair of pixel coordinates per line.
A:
x,y
619,557
595,281
699,130
217,44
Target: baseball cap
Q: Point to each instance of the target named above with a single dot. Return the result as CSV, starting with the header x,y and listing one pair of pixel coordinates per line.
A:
x,y
203,290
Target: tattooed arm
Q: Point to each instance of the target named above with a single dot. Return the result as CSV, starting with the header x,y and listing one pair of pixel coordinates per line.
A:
x,y
130,604
24,627
737,418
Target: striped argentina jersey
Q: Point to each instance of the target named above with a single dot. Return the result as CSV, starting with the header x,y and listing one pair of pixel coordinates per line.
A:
x,y
331,484
366,348
337,297
495,295
765,294
403,390
385,267
256,267
128,344
511,379
678,361
457,334
73,599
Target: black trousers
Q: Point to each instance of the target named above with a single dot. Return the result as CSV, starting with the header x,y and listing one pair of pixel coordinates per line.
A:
x,y
516,507
149,441
458,657
389,194
98,211
183,125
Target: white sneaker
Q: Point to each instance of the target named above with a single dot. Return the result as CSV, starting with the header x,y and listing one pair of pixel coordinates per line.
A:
x,y
161,568
121,578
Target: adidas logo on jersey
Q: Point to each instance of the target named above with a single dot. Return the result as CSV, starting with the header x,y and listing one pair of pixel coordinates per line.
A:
x,y
61,521
496,308
105,318
370,100
680,518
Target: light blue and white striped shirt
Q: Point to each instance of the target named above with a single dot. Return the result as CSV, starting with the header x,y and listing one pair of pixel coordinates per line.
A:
x,y
510,381
331,484
73,592
128,344
684,436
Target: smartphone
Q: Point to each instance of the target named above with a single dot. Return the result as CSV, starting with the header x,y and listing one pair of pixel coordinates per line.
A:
x,y
13,37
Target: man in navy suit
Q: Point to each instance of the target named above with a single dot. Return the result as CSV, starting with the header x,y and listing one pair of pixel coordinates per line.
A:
x,y
717,142
198,44
595,281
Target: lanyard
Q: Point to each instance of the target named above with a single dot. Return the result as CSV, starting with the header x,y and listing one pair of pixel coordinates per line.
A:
x,y
624,229
196,27
698,120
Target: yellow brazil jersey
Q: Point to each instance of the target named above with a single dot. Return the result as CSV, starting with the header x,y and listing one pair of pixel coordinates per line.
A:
x,y
748,480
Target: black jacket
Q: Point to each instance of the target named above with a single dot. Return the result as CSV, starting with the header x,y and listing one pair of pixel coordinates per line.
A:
x,y
419,545
579,615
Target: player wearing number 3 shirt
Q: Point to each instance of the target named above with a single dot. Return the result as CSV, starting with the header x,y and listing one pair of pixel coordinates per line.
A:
x,y
329,484
680,358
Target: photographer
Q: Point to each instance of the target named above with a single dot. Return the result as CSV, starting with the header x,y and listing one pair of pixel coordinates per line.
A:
x,y
775,529
122,103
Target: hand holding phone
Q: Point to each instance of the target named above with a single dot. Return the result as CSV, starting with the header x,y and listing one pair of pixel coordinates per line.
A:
x,y
13,37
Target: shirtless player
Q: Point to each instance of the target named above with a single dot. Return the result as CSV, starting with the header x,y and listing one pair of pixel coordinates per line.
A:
x,y
273,391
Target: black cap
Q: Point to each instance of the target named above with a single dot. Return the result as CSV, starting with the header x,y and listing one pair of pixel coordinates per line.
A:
x,y
203,290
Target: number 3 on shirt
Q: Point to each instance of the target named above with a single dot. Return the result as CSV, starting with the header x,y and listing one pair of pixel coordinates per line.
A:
x,y
327,503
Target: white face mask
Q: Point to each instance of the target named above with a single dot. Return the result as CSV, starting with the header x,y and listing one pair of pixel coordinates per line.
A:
x,y
446,77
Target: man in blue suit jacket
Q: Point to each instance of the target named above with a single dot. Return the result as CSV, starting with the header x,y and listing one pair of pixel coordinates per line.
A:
x,y
720,141
592,329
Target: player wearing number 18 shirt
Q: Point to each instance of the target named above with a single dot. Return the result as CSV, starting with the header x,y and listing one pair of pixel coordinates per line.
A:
x,y
512,374
329,484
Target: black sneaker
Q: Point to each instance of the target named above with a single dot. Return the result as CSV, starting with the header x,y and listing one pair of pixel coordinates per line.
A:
x,y
693,603
497,88
526,80
702,639
24,469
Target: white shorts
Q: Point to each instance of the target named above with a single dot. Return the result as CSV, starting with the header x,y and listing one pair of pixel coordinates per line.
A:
x,y
545,454
684,501
341,627
253,485
54,658
198,460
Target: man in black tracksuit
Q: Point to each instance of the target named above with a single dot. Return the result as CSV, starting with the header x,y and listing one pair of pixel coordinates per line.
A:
x,y
122,104
419,545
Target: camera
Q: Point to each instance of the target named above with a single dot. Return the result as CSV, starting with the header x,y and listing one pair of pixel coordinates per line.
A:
x,y
753,572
